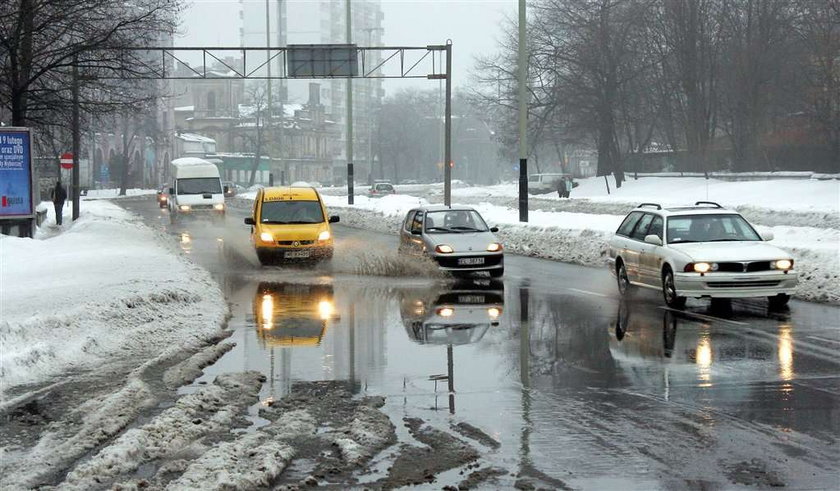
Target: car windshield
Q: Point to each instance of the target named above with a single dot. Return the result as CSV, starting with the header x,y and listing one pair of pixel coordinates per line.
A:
x,y
287,212
710,228
200,185
454,221
384,187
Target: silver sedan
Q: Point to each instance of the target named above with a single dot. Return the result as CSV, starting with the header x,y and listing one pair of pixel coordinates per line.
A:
x,y
457,238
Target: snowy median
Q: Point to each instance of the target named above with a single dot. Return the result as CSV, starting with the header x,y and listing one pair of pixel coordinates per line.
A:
x,y
581,238
104,291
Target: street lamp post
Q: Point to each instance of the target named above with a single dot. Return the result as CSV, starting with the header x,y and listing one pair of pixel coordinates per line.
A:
x,y
523,116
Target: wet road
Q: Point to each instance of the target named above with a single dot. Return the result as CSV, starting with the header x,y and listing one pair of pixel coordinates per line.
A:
x,y
581,389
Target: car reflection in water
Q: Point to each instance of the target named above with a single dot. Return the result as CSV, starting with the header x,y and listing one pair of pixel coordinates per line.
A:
x,y
460,315
289,314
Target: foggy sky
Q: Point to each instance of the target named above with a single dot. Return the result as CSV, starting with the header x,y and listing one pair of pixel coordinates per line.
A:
x,y
473,26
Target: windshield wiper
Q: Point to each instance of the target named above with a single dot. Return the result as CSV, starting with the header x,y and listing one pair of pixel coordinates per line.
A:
x,y
726,240
467,229
292,222
429,229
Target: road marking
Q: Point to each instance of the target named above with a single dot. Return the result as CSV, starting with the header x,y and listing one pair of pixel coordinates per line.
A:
x,y
704,317
588,292
824,340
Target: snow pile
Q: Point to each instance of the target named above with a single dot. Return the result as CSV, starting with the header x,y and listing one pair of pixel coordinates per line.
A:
x,y
115,193
105,290
779,194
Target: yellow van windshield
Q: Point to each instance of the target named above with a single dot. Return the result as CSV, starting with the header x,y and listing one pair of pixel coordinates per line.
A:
x,y
288,212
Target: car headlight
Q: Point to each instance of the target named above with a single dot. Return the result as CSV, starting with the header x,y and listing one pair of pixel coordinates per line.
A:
x,y
701,267
783,264
445,312
325,235
444,249
219,206
494,312
184,207
266,237
494,247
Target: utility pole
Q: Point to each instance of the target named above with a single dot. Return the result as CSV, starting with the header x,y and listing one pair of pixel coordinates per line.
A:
x,y
77,137
369,31
447,122
349,115
523,115
268,67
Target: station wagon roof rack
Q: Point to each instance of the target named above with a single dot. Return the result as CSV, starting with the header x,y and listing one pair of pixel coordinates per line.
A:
x,y
658,206
710,203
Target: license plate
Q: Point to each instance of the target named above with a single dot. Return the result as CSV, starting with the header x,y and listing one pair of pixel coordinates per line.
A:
x,y
470,261
471,299
296,254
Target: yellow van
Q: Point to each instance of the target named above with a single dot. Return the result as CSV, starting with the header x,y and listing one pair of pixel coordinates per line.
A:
x,y
291,224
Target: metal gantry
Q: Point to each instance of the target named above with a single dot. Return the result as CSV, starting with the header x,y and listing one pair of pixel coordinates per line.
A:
x,y
253,63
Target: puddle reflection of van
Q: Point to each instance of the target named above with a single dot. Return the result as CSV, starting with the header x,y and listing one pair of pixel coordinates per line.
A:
x,y
289,314
545,183
456,316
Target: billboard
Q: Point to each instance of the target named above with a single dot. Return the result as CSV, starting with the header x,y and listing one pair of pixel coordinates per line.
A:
x,y
15,173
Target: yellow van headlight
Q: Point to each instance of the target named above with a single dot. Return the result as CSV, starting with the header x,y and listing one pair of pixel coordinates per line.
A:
x,y
266,237
325,235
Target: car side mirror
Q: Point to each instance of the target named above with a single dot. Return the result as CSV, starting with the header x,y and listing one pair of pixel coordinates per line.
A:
x,y
494,229
416,232
335,219
250,221
171,190
653,239
767,236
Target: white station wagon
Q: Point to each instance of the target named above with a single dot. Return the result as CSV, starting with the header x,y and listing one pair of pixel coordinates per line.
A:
x,y
698,251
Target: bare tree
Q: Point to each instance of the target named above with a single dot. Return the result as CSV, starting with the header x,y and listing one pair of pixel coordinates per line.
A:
x,y
41,41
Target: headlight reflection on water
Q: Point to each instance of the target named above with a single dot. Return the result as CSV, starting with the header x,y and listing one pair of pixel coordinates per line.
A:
x,y
704,360
267,310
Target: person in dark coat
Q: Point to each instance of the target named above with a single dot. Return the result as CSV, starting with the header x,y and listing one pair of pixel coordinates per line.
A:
x,y
59,197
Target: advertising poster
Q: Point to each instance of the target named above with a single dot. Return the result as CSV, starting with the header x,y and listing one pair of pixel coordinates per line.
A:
x,y
15,173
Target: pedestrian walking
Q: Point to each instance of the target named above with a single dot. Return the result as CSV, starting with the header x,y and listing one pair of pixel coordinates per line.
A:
x,y
59,197
569,186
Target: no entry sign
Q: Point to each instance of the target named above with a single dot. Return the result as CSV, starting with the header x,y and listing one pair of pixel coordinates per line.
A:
x,y
66,160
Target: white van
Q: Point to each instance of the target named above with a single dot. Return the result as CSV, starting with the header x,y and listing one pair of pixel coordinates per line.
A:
x,y
196,189
544,183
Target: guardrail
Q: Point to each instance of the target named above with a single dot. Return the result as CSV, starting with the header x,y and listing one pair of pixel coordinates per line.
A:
x,y
741,176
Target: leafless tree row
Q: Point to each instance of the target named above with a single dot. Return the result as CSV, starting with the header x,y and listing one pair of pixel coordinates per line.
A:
x,y
42,42
723,83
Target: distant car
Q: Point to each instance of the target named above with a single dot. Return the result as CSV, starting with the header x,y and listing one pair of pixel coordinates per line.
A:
x,y
232,189
163,196
545,183
457,238
700,251
380,189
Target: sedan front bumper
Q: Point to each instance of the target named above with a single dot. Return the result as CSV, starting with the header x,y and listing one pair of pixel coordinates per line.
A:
x,y
735,285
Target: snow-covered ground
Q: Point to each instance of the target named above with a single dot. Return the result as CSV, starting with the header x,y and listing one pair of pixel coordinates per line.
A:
x,y
104,289
808,229
115,193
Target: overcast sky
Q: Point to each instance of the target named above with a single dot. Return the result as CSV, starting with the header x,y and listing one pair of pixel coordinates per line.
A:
x,y
473,26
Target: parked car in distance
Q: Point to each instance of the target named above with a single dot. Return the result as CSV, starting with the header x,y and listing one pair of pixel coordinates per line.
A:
x,y
379,189
457,238
545,183
700,251
163,196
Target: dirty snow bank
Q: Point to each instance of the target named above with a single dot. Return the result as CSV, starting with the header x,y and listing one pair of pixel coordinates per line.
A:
x,y
581,238
105,289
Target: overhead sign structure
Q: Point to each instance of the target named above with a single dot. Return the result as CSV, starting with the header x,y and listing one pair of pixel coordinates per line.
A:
x,y
16,178
66,160
322,60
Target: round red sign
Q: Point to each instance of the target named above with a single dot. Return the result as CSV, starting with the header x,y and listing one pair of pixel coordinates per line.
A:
x,y
66,160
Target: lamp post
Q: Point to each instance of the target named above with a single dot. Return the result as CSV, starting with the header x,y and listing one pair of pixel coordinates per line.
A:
x,y
523,115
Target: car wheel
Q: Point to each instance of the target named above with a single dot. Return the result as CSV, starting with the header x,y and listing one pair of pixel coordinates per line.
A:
x,y
265,258
172,218
779,301
669,290
497,273
625,288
